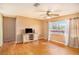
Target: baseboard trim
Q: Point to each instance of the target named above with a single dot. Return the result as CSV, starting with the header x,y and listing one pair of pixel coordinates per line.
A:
x,y
58,43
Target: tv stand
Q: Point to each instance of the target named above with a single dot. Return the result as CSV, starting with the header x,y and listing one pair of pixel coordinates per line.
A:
x,y
27,37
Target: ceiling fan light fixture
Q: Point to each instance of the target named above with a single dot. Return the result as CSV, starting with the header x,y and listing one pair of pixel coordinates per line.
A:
x,y
48,17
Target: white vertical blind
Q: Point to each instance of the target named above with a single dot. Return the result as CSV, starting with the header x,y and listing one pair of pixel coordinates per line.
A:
x,y
74,33
1,30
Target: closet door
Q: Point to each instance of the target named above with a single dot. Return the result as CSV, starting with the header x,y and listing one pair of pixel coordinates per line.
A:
x,y
9,29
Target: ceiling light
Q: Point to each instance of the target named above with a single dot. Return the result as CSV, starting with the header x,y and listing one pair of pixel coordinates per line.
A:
x,y
36,4
48,17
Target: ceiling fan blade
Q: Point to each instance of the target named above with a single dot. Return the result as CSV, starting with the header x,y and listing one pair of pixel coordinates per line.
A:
x,y
53,14
41,11
42,15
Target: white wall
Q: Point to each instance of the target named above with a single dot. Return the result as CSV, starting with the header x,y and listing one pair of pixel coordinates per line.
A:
x,y
1,30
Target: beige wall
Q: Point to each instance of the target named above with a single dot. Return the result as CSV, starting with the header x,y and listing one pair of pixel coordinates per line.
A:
x,y
45,29
1,30
25,22
56,19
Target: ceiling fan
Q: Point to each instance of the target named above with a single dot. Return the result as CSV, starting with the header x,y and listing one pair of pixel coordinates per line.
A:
x,y
48,13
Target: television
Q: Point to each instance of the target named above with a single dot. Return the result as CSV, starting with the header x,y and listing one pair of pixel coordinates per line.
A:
x,y
28,30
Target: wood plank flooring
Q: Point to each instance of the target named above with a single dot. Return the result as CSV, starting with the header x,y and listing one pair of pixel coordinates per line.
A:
x,y
37,48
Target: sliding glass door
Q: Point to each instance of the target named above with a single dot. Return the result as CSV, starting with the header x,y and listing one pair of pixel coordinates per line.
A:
x,y
59,31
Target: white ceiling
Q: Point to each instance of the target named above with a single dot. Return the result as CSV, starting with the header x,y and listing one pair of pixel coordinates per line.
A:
x,y
28,10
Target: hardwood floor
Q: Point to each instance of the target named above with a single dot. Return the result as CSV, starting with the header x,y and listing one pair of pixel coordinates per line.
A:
x,y
37,48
